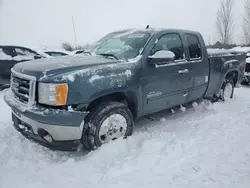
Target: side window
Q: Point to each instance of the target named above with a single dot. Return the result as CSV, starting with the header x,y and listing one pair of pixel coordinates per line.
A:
x,y
171,42
25,52
194,46
7,53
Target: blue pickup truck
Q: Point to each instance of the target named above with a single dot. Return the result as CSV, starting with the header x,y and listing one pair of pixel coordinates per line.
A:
x,y
88,100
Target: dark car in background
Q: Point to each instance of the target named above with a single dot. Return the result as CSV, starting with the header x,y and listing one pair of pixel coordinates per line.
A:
x,y
11,55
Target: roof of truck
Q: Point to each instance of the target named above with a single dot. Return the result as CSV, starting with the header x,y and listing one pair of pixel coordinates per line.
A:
x,y
152,30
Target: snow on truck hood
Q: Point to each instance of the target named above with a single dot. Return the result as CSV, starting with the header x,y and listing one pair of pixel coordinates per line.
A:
x,y
59,65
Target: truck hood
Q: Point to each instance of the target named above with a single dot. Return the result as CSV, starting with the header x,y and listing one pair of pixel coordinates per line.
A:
x,y
60,65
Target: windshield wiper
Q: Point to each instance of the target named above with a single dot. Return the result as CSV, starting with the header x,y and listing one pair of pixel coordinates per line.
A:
x,y
108,55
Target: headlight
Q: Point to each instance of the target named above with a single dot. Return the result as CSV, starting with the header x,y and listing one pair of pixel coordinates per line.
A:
x,y
52,94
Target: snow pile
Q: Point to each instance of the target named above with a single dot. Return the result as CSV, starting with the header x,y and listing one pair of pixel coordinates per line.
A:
x,y
221,52
217,50
241,49
207,146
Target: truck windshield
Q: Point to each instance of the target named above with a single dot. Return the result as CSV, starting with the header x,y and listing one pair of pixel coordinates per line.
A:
x,y
124,46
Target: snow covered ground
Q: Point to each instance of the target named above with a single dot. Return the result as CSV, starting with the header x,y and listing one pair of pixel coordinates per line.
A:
x,y
208,145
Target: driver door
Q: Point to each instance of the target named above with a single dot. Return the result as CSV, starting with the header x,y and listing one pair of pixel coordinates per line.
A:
x,y
166,85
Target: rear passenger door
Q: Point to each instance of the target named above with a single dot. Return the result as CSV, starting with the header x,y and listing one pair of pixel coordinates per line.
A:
x,y
197,65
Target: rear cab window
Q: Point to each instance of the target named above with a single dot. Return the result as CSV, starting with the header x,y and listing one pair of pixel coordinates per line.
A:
x,y
194,47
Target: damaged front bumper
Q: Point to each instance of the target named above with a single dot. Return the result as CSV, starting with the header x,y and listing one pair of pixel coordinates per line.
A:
x,y
53,128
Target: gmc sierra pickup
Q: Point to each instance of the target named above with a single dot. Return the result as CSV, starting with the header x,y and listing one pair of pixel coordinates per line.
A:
x,y
67,102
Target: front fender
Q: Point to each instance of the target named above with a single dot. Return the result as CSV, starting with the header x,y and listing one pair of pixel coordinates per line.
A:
x,y
90,85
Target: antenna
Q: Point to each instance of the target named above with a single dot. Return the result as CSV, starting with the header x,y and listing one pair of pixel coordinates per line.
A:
x,y
147,26
73,24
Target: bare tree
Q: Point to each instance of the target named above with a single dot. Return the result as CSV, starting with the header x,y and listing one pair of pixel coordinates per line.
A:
x,y
67,46
246,22
225,22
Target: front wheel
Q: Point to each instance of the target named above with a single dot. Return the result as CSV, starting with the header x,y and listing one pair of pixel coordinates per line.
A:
x,y
227,90
106,123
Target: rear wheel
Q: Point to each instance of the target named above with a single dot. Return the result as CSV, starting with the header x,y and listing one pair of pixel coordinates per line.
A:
x,y
227,90
105,123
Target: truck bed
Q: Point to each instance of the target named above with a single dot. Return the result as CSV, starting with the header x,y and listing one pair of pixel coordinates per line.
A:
x,y
223,52
220,61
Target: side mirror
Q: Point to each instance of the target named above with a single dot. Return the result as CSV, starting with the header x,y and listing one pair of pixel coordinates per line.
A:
x,y
162,57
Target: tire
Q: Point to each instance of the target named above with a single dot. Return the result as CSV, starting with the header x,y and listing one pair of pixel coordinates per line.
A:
x,y
227,90
95,123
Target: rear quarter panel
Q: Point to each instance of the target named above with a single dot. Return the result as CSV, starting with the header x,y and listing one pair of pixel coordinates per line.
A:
x,y
220,66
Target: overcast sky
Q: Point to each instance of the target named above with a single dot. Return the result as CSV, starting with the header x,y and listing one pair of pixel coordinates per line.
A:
x,y
49,22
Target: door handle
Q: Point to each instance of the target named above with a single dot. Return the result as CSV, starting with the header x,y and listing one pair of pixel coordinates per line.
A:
x,y
184,71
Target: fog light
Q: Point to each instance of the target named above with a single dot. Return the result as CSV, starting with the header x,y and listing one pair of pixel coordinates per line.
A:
x,y
48,138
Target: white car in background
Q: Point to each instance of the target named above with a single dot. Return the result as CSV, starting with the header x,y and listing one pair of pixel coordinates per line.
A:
x,y
246,50
246,79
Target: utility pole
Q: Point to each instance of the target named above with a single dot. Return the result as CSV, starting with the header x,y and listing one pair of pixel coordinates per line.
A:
x,y
73,24
209,40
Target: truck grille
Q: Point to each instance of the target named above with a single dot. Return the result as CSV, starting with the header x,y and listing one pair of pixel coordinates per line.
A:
x,y
20,87
247,67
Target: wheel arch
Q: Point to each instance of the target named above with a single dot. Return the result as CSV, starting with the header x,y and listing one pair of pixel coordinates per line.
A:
x,y
234,75
129,98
